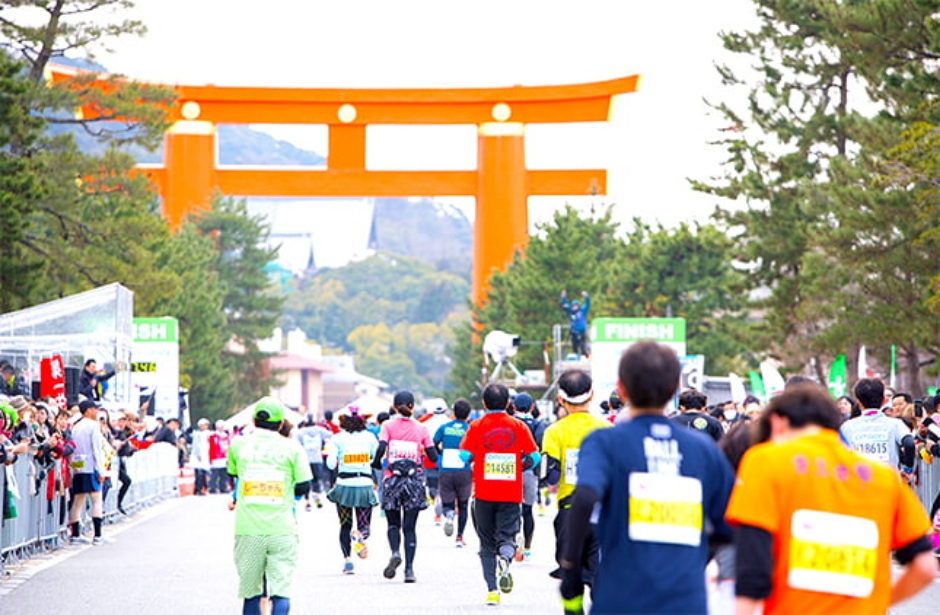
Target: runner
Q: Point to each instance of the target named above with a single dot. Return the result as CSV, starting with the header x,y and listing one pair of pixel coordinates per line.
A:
x,y
560,446
404,441
876,435
270,470
501,448
692,404
523,405
456,479
350,453
659,487
817,522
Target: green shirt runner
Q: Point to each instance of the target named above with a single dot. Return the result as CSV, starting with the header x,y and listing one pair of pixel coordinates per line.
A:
x,y
268,465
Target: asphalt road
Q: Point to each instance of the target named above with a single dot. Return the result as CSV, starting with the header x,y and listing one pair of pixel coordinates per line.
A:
x,y
175,558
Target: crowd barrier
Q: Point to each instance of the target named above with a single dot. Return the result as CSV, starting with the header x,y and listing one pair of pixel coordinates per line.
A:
x,y
41,522
927,485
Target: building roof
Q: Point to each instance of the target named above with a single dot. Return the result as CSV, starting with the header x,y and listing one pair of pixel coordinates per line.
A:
x,y
290,361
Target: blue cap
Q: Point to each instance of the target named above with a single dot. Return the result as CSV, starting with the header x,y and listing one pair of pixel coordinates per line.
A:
x,y
523,402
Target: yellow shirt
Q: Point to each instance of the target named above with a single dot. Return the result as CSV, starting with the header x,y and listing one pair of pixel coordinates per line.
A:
x,y
562,440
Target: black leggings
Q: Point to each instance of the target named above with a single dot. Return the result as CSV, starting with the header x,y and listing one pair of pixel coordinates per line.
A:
x,y
363,521
528,525
125,481
398,525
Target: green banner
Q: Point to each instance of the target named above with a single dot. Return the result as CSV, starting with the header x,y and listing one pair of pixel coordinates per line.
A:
x,y
838,377
757,385
665,330
156,330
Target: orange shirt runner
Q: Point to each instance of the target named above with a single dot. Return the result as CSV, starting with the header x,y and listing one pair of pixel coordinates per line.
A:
x,y
831,546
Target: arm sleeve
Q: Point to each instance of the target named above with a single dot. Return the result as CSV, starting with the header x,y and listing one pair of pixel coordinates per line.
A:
x,y
906,554
907,451
550,470
379,454
431,452
753,562
577,524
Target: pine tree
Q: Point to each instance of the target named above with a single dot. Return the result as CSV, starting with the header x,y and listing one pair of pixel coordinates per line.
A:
x,y
250,306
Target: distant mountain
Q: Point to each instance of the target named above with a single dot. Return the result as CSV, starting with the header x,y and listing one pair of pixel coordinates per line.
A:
x,y
435,233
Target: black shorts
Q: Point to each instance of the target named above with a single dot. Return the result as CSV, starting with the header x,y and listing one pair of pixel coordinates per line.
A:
x,y
85,483
455,486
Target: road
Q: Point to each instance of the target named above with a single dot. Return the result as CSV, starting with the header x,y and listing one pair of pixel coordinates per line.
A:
x,y
176,558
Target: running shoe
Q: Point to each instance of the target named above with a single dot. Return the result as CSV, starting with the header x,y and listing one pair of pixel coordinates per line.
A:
x,y
505,577
79,540
437,519
393,563
460,542
449,524
348,568
519,555
359,545
526,554
101,540
409,575
309,507
492,598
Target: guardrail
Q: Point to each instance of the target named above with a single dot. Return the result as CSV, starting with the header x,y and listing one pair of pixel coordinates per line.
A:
x,y
41,522
927,485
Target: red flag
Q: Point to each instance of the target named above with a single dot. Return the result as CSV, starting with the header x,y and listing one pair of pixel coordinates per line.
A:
x,y
52,379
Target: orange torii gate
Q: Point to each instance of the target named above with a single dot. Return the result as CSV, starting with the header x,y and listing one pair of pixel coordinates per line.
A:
x,y
501,183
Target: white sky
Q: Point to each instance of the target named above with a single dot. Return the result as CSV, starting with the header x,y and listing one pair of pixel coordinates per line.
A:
x,y
657,137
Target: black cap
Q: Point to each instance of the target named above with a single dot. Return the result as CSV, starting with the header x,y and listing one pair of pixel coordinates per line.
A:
x,y
403,398
87,404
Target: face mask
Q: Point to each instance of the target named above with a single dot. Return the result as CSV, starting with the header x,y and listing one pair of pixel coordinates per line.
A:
x,y
731,414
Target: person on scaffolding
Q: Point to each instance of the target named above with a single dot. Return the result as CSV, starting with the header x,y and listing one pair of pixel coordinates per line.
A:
x,y
577,317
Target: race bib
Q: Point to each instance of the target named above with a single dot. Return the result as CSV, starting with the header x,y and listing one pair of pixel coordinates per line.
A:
x,y
665,508
262,487
571,466
451,459
354,458
499,466
872,445
77,463
403,449
833,554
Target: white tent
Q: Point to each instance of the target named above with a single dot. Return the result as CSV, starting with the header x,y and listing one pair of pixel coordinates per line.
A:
x,y
96,324
245,417
367,404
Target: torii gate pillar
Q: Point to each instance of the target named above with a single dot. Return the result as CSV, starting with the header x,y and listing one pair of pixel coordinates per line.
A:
x,y
189,180
501,227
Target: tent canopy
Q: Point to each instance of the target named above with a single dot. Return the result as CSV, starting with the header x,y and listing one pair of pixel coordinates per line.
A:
x,y
96,324
245,416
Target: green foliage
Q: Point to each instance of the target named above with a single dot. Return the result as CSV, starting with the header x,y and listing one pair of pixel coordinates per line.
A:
x,y
835,235
250,306
20,189
382,289
198,305
685,272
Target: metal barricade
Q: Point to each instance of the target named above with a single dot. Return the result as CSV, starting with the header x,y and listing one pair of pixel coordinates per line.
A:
x,y
927,486
41,520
